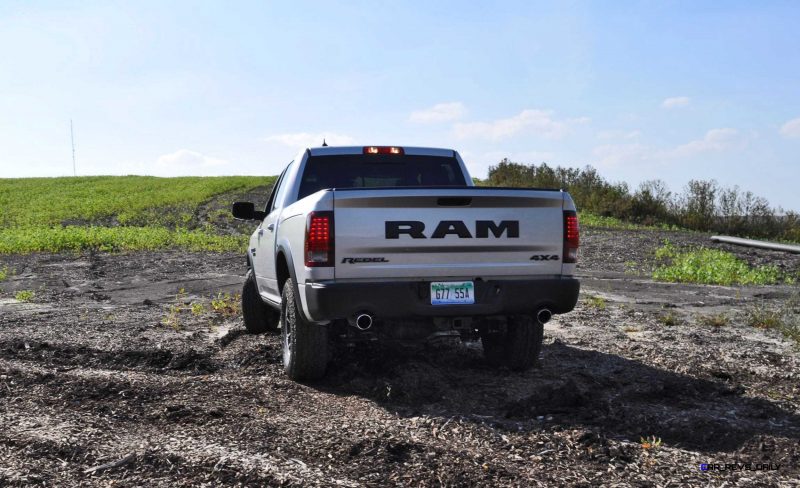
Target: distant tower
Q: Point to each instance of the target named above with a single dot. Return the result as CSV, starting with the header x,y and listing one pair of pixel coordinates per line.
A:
x,y
72,137
324,144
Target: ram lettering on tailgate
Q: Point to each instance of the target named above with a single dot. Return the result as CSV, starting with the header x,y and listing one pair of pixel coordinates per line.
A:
x,y
416,229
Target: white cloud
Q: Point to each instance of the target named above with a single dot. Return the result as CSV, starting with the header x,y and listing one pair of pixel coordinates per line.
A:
x,y
619,134
791,129
186,159
300,140
714,140
441,112
675,102
530,121
614,155
179,163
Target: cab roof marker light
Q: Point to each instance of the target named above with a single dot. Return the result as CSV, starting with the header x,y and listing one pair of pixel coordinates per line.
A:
x,y
397,151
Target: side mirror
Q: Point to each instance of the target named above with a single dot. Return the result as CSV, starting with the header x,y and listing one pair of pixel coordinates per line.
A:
x,y
247,211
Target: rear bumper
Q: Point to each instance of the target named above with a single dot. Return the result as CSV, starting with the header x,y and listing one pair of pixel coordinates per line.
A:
x,y
330,301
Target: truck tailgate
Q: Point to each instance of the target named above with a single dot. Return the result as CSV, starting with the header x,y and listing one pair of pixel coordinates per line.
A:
x,y
424,233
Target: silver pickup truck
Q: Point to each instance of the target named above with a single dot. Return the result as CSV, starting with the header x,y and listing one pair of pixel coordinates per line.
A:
x,y
365,243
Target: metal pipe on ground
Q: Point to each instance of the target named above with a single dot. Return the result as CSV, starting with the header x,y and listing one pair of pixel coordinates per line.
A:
x,y
774,246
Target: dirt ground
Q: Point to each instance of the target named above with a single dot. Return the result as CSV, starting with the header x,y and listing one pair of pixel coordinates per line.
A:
x,y
91,375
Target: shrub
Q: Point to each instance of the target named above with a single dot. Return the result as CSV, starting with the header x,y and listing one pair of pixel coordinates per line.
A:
x,y
596,302
669,319
227,304
710,266
785,319
761,317
24,295
716,320
651,203
698,204
703,205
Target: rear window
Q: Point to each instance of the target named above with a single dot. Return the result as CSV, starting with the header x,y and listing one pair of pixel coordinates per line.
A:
x,y
379,170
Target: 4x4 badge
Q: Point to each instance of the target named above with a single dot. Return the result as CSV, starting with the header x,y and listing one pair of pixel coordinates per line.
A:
x,y
544,257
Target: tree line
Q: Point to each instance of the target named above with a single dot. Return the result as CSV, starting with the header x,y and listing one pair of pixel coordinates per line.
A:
x,y
702,205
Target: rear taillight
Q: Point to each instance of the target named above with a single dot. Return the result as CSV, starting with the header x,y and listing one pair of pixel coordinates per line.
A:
x,y
572,234
319,239
383,150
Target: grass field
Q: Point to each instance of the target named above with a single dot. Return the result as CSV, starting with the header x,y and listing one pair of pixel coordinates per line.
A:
x,y
591,220
124,213
118,213
126,200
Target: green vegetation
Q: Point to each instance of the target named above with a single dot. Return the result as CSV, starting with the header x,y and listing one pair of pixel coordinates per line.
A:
x,y
118,213
596,302
24,295
702,205
588,219
227,304
73,238
669,319
791,330
126,200
128,213
711,266
716,320
785,319
650,443
591,220
197,308
761,317
4,273
172,319
632,268
221,306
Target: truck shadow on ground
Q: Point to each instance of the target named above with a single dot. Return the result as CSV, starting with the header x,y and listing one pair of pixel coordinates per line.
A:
x,y
611,396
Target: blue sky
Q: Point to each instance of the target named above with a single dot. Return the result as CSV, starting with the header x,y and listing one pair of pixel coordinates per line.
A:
x,y
640,90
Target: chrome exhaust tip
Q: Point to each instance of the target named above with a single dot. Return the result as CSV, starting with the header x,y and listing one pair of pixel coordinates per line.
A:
x,y
544,316
363,321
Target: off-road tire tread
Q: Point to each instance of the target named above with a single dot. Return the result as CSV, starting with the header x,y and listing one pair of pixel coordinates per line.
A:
x,y
309,342
258,316
493,349
518,349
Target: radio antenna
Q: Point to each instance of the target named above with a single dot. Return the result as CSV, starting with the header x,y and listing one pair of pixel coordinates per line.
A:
x,y
72,138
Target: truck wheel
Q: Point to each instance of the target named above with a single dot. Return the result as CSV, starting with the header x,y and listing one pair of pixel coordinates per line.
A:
x,y
518,349
305,345
258,316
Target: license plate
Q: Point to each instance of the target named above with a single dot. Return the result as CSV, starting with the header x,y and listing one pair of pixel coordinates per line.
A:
x,y
452,292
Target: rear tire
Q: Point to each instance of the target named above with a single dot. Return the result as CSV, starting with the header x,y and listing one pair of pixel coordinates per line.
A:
x,y
518,348
258,316
305,344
